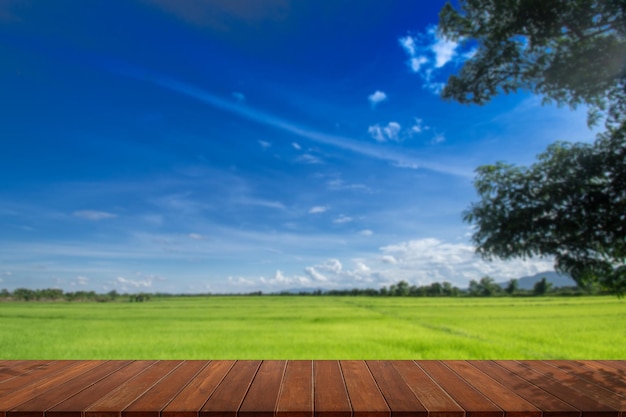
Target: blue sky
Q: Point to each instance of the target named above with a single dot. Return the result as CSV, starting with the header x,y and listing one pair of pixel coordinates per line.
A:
x,y
212,146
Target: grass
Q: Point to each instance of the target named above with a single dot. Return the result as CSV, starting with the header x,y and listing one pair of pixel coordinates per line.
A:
x,y
291,327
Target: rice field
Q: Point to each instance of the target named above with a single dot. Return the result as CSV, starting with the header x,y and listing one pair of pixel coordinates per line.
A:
x,y
295,327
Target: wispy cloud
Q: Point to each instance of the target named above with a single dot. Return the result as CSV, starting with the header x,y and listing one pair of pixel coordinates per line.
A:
x,y
239,97
430,51
384,133
141,283
395,158
264,144
419,262
94,215
196,236
343,219
318,209
377,97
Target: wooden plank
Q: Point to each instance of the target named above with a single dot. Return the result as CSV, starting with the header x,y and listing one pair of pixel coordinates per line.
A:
x,y
262,396
43,383
473,402
598,393
365,397
74,406
588,406
229,394
191,399
14,369
400,398
113,403
32,376
36,406
512,404
159,396
296,395
330,394
595,373
550,405
618,365
431,395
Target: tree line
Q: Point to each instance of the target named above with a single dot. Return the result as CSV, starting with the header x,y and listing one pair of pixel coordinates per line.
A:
x,y
484,287
56,294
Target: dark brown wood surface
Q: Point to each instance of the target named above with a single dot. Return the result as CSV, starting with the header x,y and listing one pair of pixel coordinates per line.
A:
x,y
281,388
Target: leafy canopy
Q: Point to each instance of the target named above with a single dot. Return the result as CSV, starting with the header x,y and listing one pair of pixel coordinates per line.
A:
x,y
570,204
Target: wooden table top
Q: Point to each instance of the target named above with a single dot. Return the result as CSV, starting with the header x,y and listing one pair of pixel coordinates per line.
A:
x,y
224,388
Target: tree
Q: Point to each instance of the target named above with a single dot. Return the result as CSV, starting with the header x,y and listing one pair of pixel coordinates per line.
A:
x,y
542,287
512,287
486,287
570,204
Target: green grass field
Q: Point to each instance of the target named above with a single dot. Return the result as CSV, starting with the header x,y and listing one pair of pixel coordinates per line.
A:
x,y
291,327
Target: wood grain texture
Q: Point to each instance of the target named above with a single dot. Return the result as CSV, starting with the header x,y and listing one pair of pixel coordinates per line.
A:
x,y
262,397
43,382
190,399
75,406
503,397
588,406
330,394
365,396
399,397
434,398
296,395
159,396
228,396
117,400
280,388
37,406
473,402
550,405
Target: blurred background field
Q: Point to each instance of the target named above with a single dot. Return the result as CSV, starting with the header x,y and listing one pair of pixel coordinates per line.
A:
x,y
300,327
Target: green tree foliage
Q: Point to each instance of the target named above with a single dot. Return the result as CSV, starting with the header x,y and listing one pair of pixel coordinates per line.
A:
x,y
542,287
570,204
512,287
486,287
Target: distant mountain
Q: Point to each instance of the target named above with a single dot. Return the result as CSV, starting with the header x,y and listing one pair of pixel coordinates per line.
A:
x,y
557,280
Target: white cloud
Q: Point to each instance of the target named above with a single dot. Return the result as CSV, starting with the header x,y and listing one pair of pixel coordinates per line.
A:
x,y
420,262
318,209
195,236
430,51
419,126
94,215
264,144
377,97
145,283
366,232
239,96
385,133
438,138
284,125
280,279
342,219
309,159
315,274
408,44
79,281
7,273
444,50
415,63
340,185
296,146
388,259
